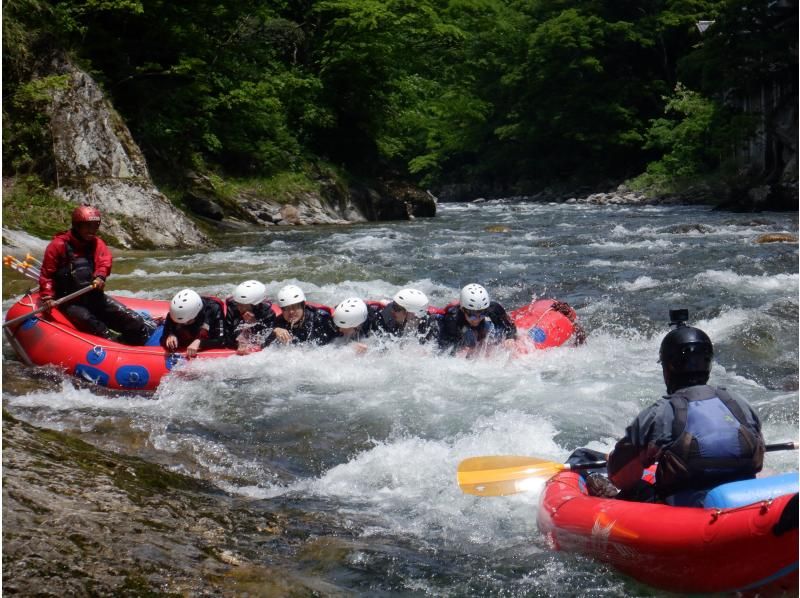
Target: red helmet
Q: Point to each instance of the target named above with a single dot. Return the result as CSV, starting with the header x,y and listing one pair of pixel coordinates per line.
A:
x,y
85,213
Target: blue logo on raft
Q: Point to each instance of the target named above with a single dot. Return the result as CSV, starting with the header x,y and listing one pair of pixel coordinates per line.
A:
x,y
172,359
96,355
29,323
132,376
91,374
537,334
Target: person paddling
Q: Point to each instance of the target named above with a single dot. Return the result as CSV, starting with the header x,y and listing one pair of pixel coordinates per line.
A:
x,y
475,322
700,435
76,259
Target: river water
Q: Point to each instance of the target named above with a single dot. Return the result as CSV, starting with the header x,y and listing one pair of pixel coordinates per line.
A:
x,y
369,444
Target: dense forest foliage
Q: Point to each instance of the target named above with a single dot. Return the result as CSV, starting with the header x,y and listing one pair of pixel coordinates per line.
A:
x,y
513,93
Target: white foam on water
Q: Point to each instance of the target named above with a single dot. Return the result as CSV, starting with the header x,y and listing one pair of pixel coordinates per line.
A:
x,y
642,282
660,244
742,283
614,263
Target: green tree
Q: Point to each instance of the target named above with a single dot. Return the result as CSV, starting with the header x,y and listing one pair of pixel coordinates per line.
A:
x,y
685,140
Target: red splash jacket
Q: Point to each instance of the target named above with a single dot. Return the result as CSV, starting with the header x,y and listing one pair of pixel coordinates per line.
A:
x,y
56,258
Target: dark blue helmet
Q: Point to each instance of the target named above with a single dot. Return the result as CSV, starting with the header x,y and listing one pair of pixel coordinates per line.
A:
x,y
685,357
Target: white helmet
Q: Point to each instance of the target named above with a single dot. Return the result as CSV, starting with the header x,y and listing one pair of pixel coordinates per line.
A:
x,y
350,313
474,296
290,294
412,300
250,292
185,306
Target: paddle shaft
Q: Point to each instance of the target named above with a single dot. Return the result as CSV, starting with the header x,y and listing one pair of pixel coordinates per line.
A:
x,y
69,297
770,448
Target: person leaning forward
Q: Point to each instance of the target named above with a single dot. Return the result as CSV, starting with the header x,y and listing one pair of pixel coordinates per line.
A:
x,y
249,318
76,259
474,323
299,322
406,315
700,435
193,323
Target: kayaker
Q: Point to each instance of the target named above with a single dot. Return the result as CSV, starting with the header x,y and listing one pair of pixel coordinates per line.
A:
x,y
700,435
351,318
76,259
475,322
406,315
249,318
193,323
300,322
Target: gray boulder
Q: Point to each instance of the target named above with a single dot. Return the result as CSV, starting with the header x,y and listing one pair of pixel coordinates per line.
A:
x,y
98,162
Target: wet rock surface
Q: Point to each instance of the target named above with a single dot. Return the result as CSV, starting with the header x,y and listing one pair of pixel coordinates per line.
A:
x,y
78,521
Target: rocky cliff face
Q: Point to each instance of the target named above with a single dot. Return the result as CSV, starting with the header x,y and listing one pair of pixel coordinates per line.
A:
x,y
98,162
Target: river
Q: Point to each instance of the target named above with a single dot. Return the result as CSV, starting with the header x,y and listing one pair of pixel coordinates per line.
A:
x,y
370,443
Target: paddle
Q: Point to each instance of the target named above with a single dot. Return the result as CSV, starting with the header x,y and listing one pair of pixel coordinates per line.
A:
x,y
69,297
499,475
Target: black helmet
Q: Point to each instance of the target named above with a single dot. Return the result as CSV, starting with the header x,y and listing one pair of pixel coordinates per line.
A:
x,y
685,356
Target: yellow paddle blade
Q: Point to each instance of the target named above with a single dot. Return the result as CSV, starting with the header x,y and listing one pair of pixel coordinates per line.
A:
x,y
499,475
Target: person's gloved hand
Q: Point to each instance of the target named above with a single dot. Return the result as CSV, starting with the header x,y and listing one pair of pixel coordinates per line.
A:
x,y
599,485
48,303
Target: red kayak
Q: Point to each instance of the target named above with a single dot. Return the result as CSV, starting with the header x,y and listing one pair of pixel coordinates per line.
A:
x,y
747,542
52,340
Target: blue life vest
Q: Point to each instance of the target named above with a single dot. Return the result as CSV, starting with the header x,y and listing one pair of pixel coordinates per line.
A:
x,y
715,442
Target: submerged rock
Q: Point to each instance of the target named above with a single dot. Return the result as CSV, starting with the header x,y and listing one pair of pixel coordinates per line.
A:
x,y
776,238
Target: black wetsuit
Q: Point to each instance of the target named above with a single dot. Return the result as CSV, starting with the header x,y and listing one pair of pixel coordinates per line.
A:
x,y
455,332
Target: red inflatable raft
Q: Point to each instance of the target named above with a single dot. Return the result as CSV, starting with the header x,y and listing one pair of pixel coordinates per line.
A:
x,y
545,323
747,543
52,340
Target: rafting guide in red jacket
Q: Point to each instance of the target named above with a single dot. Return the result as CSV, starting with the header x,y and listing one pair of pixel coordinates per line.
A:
x,y
76,259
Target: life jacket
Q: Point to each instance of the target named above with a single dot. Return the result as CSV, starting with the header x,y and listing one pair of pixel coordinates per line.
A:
x,y
455,330
715,442
257,330
76,274
381,319
208,326
315,327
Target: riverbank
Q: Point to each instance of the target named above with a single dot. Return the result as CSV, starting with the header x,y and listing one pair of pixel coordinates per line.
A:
x,y
80,521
